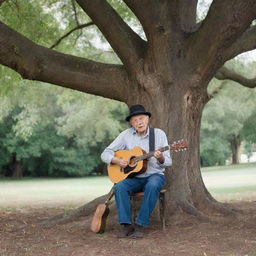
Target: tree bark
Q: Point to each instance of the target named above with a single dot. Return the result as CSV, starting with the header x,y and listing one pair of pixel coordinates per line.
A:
x,y
83,211
16,171
219,30
35,62
80,26
126,43
1,2
246,42
226,74
235,144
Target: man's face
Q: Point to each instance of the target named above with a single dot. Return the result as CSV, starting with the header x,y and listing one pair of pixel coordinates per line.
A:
x,y
140,123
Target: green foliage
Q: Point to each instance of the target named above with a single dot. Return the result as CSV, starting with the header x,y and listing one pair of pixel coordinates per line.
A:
x,y
50,130
59,132
224,117
30,19
55,131
214,151
249,129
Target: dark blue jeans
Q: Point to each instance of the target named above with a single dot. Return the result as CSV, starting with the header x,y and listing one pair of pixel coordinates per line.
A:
x,y
151,187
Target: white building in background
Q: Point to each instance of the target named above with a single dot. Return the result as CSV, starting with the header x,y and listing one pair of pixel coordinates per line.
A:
x,y
244,158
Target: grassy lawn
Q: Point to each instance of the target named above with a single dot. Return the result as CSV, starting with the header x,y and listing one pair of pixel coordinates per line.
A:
x,y
227,183
52,192
241,167
231,183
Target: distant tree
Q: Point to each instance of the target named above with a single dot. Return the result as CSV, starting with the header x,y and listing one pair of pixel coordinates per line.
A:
x,y
249,149
223,120
249,128
54,132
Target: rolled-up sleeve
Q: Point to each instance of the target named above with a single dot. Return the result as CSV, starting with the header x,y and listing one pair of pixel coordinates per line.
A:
x,y
109,152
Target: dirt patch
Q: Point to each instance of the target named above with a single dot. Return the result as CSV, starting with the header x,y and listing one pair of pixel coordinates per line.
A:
x,y
21,234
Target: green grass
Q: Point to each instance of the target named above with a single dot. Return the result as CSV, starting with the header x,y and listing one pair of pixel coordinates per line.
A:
x,y
232,190
40,192
229,167
226,183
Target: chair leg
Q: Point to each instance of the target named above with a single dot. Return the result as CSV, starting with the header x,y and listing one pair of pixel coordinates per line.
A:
x,y
162,210
133,205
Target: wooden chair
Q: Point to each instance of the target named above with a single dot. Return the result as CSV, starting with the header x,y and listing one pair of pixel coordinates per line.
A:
x,y
135,196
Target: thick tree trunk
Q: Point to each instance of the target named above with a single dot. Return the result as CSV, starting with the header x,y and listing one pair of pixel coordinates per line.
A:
x,y
235,144
178,112
16,171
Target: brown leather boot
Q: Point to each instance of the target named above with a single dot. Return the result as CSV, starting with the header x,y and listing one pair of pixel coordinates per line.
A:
x,y
126,230
138,232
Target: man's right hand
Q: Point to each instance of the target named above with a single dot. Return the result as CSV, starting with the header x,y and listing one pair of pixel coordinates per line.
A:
x,y
122,163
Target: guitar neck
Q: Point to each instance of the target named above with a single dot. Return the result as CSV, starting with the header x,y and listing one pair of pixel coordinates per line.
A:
x,y
150,154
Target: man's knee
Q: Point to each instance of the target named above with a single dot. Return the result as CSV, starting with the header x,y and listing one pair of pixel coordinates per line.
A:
x,y
121,186
156,182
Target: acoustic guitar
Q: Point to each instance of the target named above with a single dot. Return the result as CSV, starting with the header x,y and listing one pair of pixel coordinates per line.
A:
x,y
137,161
101,213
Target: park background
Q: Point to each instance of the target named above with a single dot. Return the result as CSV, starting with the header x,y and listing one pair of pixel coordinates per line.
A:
x,y
51,131
51,138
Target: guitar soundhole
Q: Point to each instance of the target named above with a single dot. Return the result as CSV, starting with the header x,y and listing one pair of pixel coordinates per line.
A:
x,y
132,162
131,166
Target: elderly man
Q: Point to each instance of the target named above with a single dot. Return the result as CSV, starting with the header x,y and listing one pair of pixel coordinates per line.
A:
x,y
151,181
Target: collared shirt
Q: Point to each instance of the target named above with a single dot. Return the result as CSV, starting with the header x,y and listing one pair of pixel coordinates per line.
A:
x,y
129,139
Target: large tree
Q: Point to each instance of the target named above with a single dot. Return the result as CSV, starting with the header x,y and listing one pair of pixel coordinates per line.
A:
x,y
168,72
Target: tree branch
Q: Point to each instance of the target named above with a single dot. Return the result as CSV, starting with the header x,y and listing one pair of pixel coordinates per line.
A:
x,y
186,10
225,73
75,12
35,62
159,21
217,90
125,42
2,1
246,42
147,12
70,32
224,24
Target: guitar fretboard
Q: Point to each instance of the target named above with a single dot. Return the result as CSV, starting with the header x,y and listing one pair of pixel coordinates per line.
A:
x,y
150,154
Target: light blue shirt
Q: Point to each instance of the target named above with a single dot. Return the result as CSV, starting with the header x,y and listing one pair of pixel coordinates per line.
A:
x,y
129,139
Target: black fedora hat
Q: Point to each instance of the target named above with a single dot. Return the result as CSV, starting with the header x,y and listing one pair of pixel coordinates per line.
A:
x,y
137,110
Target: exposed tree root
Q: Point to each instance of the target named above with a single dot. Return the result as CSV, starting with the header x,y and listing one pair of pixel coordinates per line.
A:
x,y
223,208
85,210
212,205
190,209
208,206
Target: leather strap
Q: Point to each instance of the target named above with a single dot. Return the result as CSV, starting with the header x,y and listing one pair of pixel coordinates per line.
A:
x,y
151,139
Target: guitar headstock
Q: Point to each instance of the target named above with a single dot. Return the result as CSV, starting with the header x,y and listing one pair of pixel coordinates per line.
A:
x,y
179,145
